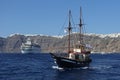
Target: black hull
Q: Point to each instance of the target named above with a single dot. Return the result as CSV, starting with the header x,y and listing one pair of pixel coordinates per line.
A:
x,y
69,63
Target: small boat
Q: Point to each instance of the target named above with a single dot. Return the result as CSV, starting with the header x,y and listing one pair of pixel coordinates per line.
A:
x,y
30,47
79,56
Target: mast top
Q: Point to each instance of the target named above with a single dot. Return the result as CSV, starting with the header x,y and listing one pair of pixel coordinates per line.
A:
x,y
80,24
69,25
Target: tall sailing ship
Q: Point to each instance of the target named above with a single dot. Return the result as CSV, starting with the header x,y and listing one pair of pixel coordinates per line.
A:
x,y
30,47
79,56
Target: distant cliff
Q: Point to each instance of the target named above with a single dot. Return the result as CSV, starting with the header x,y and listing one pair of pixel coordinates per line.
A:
x,y
99,42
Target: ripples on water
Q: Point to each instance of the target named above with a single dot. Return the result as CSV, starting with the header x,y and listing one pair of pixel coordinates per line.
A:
x,y
42,67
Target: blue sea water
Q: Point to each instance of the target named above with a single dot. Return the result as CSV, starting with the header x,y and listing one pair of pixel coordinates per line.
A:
x,y
42,67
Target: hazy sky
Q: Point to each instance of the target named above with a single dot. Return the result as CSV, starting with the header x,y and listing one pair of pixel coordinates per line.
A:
x,y
48,16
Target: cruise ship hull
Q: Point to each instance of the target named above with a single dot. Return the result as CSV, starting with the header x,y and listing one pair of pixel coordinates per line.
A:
x,y
28,52
32,50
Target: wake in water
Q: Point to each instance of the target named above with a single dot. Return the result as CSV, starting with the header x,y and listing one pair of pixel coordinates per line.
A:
x,y
58,68
100,67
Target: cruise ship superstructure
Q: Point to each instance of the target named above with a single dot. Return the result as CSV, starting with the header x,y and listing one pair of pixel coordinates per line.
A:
x,y
30,47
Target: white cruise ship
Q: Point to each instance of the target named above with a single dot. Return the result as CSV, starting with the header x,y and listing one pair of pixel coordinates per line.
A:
x,y
29,47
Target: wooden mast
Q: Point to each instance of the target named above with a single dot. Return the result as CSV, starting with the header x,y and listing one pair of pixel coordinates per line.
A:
x,y
81,34
80,26
69,31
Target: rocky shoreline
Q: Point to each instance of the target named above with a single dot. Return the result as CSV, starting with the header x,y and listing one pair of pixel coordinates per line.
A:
x,y
106,44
